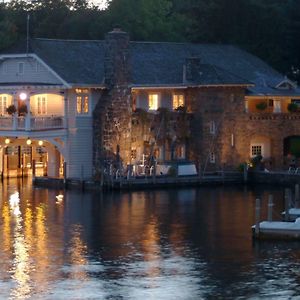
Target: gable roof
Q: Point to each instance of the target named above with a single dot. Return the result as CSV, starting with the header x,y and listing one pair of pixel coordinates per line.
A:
x,y
157,63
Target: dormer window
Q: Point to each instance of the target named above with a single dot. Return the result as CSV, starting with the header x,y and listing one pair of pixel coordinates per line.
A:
x,y
286,84
21,68
153,101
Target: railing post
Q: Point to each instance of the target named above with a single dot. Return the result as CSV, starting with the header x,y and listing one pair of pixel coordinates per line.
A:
x,y
28,116
15,121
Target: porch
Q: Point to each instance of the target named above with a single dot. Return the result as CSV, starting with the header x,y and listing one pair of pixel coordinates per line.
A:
x,y
31,123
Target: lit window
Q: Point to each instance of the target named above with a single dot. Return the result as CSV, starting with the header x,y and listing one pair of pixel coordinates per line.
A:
x,y
82,101
41,104
212,157
256,150
3,105
178,101
21,68
180,152
153,101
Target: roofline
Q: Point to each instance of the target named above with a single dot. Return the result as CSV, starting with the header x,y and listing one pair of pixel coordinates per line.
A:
x,y
31,86
260,95
168,86
84,85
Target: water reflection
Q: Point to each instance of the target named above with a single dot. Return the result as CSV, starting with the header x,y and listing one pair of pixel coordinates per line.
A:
x,y
183,244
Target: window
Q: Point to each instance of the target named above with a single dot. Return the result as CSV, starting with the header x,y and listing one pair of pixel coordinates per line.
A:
x,y
41,103
21,68
271,102
180,152
3,105
153,102
178,101
212,157
82,101
212,127
256,150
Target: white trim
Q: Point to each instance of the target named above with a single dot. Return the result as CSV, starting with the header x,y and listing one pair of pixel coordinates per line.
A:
x,y
33,55
288,81
257,145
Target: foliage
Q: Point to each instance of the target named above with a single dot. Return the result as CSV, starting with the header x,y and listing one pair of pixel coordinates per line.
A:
x,y
11,109
261,105
292,107
269,29
22,110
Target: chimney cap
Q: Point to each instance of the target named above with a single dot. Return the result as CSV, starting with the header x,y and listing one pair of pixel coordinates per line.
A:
x,y
117,29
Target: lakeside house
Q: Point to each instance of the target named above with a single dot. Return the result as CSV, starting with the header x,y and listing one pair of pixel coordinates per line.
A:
x,y
79,108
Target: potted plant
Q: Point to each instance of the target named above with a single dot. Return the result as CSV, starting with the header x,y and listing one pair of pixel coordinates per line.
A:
x,y
292,107
261,105
11,109
23,110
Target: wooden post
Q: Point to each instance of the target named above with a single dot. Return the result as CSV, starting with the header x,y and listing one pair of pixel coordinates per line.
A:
x,y
65,173
101,177
257,217
245,170
81,177
297,195
270,208
287,200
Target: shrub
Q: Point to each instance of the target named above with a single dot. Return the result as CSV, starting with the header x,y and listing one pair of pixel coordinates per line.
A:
x,y
11,109
292,107
261,105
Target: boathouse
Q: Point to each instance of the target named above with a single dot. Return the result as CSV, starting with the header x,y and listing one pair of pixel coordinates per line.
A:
x,y
78,108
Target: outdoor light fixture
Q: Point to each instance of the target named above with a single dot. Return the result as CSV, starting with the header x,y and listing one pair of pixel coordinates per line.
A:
x,y
41,143
7,141
28,142
23,96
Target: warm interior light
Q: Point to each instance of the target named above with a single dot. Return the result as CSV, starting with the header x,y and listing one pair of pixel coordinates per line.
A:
x,y
28,142
41,143
7,141
23,96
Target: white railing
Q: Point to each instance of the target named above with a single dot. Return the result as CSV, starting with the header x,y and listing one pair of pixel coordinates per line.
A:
x,y
31,123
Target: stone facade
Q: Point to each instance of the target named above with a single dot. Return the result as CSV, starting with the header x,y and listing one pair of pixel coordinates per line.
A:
x,y
214,129
112,115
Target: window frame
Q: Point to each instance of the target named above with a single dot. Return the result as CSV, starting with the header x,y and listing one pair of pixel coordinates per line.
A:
x,y
41,105
21,70
178,100
82,102
157,101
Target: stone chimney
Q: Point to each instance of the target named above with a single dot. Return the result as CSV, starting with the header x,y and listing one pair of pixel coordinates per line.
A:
x,y
191,68
116,62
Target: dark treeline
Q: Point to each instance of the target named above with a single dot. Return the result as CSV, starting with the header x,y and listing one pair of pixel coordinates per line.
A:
x,y
269,28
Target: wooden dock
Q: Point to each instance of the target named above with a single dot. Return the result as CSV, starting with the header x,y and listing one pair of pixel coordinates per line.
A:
x,y
143,182
285,229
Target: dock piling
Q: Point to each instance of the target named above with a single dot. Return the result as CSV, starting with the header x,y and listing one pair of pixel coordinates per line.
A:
x,y
287,199
270,208
257,217
297,196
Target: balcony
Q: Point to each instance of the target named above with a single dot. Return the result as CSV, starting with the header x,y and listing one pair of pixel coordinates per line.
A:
x,y
274,116
31,123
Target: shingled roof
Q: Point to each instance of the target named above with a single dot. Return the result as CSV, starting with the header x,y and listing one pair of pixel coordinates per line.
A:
x,y
157,64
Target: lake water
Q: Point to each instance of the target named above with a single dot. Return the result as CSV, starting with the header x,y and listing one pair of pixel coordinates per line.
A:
x,y
158,244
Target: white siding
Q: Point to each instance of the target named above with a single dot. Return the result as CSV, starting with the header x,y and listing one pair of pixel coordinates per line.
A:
x,y
33,71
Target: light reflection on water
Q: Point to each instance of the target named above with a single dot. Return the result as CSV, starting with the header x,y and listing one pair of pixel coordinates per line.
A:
x,y
172,244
